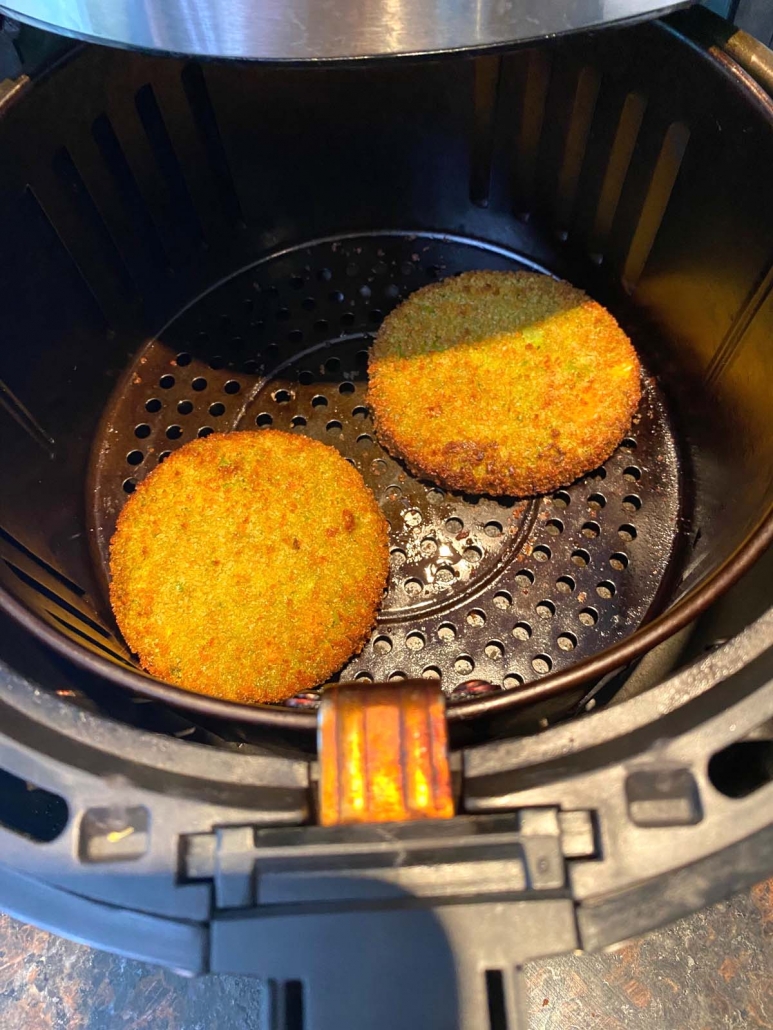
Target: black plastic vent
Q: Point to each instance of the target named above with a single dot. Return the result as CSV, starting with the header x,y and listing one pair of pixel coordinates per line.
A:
x,y
31,811
495,993
742,768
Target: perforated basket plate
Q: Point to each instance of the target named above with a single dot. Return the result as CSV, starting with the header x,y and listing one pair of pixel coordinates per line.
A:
x,y
499,590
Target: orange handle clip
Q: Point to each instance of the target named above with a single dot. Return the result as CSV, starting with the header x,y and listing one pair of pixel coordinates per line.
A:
x,y
383,753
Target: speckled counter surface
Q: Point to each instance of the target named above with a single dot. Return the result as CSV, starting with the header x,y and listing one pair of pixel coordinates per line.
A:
x,y
709,972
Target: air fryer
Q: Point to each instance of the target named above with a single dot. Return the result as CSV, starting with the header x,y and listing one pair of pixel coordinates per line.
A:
x,y
190,247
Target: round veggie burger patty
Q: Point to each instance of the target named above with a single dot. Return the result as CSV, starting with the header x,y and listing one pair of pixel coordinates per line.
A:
x,y
502,383
249,566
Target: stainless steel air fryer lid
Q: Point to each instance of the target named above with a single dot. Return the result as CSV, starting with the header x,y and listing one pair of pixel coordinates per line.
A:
x,y
313,30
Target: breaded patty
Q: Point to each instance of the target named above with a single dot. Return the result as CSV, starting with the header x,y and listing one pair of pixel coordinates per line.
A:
x,y
502,383
249,566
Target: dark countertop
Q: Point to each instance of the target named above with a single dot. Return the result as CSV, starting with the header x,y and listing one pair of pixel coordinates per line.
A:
x,y
708,972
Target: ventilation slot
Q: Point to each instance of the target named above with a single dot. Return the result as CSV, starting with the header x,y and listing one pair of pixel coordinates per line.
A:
x,y
620,155
30,811
588,83
294,1015
69,628
742,768
658,195
60,601
487,72
21,414
495,994
115,159
203,112
179,198
530,135
54,573
55,242
746,315
96,236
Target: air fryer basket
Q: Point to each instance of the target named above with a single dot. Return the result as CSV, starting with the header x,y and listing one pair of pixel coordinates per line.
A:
x,y
189,248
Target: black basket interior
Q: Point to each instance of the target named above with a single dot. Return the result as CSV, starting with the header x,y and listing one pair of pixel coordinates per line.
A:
x,y
238,217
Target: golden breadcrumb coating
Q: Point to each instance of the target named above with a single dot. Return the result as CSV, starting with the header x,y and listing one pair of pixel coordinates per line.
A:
x,y
502,383
249,566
